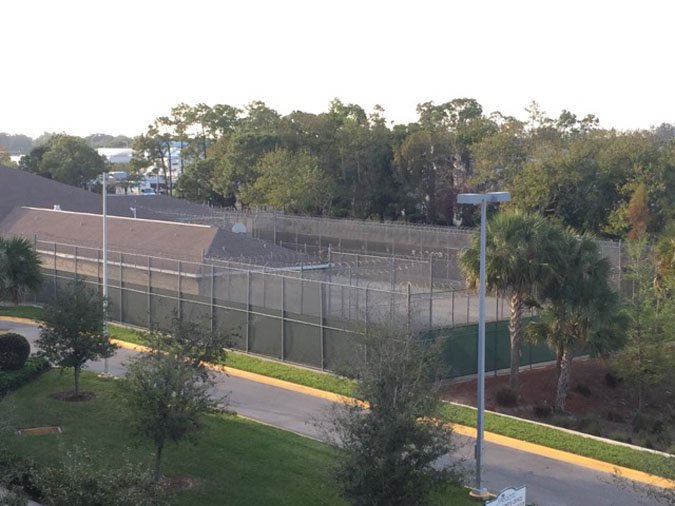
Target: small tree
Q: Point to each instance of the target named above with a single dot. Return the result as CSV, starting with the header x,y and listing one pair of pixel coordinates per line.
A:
x,y
78,481
387,452
646,358
20,272
167,388
72,330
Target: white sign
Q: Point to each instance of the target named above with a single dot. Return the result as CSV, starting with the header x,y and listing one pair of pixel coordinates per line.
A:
x,y
509,497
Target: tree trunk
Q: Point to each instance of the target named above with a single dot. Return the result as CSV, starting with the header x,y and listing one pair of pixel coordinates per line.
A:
x,y
158,461
563,379
558,361
77,381
515,331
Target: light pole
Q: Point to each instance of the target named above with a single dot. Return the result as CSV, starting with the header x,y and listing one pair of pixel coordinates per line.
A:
x,y
482,199
104,191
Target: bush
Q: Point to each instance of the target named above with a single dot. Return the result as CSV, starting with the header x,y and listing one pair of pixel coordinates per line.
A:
x,y
14,350
611,380
507,396
542,410
614,416
562,421
11,380
657,427
590,425
583,390
640,422
620,436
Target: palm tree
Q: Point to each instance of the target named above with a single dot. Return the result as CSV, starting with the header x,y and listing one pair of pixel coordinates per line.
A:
x,y
20,272
521,252
582,311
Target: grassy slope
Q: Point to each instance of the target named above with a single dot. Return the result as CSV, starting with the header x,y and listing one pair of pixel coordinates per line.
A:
x,y
237,462
519,429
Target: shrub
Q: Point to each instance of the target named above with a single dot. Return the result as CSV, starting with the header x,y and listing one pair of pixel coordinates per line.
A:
x,y
657,427
615,416
611,380
542,410
620,436
507,396
14,350
590,425
583,390
562,421
640,422
11,380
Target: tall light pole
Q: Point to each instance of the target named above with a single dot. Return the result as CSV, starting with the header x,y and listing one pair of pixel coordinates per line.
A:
x,y
104,192
481,198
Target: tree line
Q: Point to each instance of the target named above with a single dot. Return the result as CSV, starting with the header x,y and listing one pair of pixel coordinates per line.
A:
x,y
348,163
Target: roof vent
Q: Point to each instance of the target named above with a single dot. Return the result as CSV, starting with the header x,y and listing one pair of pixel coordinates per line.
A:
x,y
57,207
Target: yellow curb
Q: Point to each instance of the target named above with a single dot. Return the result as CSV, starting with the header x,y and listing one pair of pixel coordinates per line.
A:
x,y
258,378
18,319
509,442
571,458
130,346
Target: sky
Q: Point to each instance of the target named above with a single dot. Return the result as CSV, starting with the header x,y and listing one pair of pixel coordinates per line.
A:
x,y
88,66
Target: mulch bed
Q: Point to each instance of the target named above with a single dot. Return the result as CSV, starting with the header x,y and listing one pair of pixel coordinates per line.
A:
x,y
71,397
178,483
611,407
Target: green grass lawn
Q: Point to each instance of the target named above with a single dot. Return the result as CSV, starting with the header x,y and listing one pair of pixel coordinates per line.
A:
x,y
236,462
518,429
299,375
34,313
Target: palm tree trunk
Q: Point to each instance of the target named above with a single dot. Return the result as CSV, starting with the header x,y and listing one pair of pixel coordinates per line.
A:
x,y
563,379
558,361
515,331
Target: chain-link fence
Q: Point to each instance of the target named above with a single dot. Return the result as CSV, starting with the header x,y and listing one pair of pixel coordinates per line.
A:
x,y
438,246
283,314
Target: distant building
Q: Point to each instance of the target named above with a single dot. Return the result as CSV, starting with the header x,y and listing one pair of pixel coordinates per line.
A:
x,y
116,155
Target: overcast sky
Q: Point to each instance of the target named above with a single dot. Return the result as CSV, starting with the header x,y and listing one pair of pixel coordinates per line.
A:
x,y
92,66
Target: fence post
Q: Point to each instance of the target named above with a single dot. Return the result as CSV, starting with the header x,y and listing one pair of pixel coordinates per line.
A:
x,y
302,286
495,350
365,338
452,309
149,292
391,274
366,312
431,309
283,317
75,262
330,276
55,270
431,272
322,325
98,271
407,305
274,227
468,304
248,309
213,280
121,290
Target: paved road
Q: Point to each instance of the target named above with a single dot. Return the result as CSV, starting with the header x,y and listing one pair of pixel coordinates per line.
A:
x,y
549,482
